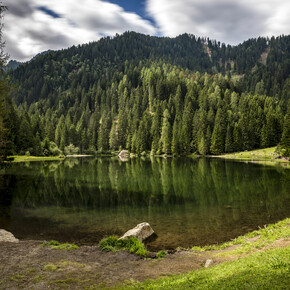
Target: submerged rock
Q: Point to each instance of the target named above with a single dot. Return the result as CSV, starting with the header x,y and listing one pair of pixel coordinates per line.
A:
x,y
7,237
141,232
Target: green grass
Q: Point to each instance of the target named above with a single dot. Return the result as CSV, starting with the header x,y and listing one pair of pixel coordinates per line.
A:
x,y
260,154
17,277
161,254
25,158
263,269
266,156
38,278
50,267
266,270
58,246
133,245
264,237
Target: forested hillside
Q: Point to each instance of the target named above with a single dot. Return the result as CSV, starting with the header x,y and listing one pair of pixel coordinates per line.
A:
x,y
164,95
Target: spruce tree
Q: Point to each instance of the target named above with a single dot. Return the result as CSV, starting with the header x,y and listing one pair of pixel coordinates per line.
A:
x,y
285,140
219,131
166,133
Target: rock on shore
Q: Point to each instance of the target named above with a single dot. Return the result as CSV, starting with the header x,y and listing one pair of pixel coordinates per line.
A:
x,y
7,237
141,232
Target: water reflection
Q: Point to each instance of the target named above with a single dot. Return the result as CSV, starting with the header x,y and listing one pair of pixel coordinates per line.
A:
x,y
187,202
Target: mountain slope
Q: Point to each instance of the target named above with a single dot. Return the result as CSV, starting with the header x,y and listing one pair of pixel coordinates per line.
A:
x,y
66,68
144,93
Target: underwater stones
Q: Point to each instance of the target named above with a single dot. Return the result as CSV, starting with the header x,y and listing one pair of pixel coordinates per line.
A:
x,y
141,232
7,237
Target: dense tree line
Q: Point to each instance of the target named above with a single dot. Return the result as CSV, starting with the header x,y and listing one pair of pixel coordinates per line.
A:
x,y
159,108
144,93
261,64
8,114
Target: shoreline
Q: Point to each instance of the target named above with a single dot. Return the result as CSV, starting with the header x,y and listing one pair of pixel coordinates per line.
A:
x,y
31,264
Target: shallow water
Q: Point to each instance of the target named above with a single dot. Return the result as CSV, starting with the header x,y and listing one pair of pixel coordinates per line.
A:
x,y
187,201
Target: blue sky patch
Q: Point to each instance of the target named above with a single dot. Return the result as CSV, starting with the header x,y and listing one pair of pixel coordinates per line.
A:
x,y
49,12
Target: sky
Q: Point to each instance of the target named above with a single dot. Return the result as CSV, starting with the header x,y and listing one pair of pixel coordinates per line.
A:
x,y
33,26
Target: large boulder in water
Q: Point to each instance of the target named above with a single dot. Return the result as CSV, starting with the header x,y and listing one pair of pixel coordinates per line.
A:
x,y
7,237
141,232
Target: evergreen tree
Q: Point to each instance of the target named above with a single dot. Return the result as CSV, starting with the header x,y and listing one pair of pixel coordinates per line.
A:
x,y
186,129
219,131
202,147
166,133
176,144
285,140
229,146
113,141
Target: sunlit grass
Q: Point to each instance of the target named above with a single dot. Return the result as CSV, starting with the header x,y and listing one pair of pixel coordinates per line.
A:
x,y
254,240
25,158
59,246
266,156
263,270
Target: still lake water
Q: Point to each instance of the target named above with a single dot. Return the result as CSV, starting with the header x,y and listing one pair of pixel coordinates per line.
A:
x,y
187,201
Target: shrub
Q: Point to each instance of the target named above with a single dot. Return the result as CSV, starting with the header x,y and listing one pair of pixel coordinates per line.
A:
x,y
71,150
132,245
161,254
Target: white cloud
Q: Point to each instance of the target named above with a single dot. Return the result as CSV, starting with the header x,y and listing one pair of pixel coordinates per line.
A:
x,y
30,30
229,21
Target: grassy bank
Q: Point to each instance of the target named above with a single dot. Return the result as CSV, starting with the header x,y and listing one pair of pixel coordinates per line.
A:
x,y
258,260
24,158
263,270
266,156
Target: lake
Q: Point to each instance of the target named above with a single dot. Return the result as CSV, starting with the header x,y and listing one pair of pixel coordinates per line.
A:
x,y
186,201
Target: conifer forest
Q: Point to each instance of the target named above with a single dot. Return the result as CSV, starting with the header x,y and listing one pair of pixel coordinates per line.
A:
x,y
174,96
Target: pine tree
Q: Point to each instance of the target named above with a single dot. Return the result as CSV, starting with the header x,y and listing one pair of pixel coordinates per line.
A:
x,y
237,139
202,148
229,147
166,133
186,130
285,140
155,129
219,131
113,141
175,144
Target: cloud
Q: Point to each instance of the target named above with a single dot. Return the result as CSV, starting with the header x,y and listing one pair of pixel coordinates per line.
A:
x,y
33,26
228,21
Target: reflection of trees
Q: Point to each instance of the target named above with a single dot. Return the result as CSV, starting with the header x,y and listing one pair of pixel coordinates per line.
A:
x,y
108,182
202,198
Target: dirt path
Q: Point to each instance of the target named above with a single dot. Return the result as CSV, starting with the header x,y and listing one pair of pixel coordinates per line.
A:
x,y
28,265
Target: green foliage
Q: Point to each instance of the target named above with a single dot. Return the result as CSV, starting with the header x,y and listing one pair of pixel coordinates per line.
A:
x,y
264,270
132,244
264,237
71,150
285,140
58,246
147,96
161,254
50,267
